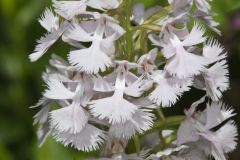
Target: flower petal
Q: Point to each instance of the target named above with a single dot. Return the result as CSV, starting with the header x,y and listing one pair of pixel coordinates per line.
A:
x,y
185,64
227,136
90,60
115,109
89,139
195,36
103,4
56,90
216,113
49,21
77,33
141,121
213,51
216,80
166,92
137,88
70,119
45,42
203,5
69,9
187,132
43,132
101,84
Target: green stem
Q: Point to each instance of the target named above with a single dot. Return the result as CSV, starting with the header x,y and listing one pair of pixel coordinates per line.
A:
x,y
128,28
162,140
160,113
137,144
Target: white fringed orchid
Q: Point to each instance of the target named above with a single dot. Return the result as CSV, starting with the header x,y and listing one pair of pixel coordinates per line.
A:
x,y
214,77
199,126
109,93
116,109
181,62
92,59
168,89
216,80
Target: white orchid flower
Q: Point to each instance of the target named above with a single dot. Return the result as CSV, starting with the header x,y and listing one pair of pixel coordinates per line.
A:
x,y
109,108
168,89
180,60
92,59
199,127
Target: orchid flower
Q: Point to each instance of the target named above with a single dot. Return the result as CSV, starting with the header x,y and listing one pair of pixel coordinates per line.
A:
x,y
125,65
199,127
215,78
110,107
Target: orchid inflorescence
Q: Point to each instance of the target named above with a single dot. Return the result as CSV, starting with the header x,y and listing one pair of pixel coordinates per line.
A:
x,y
126,64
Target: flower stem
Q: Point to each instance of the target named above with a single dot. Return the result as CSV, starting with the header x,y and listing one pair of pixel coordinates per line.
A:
x,y
137,144
160,113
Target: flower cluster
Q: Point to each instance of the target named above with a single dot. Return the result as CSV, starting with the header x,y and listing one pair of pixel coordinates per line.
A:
x,y
124,65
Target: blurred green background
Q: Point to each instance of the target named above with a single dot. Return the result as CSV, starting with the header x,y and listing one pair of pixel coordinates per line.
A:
x,y
21,84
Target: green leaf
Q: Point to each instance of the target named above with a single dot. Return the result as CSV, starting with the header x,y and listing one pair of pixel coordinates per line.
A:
x,y
4,153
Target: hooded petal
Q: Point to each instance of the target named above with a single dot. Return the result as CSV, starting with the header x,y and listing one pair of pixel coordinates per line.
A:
x,y
102,85
77,33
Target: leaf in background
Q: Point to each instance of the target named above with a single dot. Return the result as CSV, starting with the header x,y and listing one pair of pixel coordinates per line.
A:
x,y
4,154
52,150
